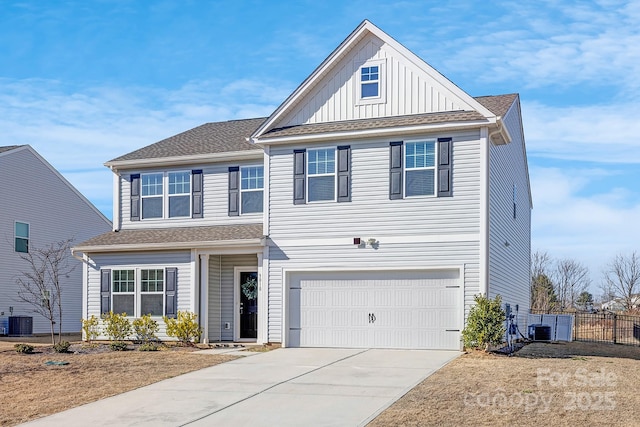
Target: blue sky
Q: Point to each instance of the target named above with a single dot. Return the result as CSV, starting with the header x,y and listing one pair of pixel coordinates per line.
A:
x,y
86,81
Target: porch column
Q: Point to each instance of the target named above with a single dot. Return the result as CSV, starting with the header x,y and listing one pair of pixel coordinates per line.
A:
x,y
204,297
263,295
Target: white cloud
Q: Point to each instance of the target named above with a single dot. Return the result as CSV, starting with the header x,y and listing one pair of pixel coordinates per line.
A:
x,y
597,133
77,130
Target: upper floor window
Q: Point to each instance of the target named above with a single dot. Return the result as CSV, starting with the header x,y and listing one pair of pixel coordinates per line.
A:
x,y
166,194
21,234
420,168
152,195
251,189
179,194
321,174
370,81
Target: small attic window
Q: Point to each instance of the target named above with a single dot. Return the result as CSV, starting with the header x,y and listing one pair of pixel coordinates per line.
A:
x,y
370,81
369,87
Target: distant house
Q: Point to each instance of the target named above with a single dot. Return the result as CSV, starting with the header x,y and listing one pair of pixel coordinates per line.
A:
x,y
38,206
617,304
366,211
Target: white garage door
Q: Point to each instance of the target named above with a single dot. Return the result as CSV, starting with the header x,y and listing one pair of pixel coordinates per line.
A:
x,y
381,309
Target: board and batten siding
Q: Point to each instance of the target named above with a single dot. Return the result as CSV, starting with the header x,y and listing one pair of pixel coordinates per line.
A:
x,y
346,256
409,89
216,199
370,212
133,260
509,237
214,317
31,192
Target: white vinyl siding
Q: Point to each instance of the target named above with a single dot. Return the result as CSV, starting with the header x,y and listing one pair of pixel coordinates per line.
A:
x,y
371,213
409,89
141,261
509,237
215,203
34,194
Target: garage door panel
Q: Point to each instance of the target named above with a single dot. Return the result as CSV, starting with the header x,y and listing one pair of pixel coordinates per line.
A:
x,y
399,309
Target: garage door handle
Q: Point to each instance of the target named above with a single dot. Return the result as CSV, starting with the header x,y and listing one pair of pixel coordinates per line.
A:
x,y
452,330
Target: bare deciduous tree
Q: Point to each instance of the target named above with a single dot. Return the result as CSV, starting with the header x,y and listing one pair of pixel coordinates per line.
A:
x,y
543,297
622,278
41,284
570,279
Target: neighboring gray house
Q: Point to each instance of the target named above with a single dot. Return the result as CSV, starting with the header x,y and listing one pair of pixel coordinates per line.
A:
x,y
39,207
368,210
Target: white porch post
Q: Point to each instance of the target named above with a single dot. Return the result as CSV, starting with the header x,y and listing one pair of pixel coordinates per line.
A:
x,y
204,297
263,336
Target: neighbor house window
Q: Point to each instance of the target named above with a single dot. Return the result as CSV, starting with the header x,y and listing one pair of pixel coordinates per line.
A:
x,y
21,237
370,81
152,195
179,194
321,174
420,168
123,289
251,189
152,292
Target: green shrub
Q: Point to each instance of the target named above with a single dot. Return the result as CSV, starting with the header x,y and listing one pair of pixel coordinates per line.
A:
x,y
91,328
485,324
184,327
145,329
118,345
148,346
62,347
23,348
118,328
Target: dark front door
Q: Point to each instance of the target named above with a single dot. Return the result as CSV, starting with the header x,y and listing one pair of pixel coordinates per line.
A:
x,y
248,304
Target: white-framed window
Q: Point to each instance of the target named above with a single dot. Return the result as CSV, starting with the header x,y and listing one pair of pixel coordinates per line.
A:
x,y
138,292
179,194
166,194
123,289
21,237
251,189
152,292
152,195
370,82
321,174
420,168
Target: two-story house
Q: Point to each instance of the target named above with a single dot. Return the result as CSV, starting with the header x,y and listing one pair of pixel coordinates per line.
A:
x,y
38,208
366,211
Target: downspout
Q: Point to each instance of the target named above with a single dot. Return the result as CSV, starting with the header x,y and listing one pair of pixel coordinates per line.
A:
x,y
484,211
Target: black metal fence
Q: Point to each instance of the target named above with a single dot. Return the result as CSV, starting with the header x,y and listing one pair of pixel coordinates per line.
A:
x,y
604,326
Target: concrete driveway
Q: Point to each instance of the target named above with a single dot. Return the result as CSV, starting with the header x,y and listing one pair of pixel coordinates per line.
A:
x,y
284,387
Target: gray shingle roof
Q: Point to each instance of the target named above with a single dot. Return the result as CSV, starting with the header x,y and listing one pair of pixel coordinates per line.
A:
x,y
9,148
209,138
378,123
177,237
498,105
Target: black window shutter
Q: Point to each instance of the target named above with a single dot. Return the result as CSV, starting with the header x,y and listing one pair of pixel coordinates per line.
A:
x,y
444,167
395,170
105,291
135,196
299,177
344,174
171,292
234,191
196,194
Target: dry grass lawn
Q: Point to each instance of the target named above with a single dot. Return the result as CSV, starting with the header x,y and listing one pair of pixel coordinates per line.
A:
x,y
564,384
35,389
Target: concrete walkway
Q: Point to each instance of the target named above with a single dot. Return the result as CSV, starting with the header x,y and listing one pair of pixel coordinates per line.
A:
x,y
284,387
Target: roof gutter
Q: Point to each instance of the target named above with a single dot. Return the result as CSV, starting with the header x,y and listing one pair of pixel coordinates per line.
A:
x,y
373,132
185,160
501,135
130,247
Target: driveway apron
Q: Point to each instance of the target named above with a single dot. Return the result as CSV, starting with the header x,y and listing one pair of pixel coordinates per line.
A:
x,y
284,387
